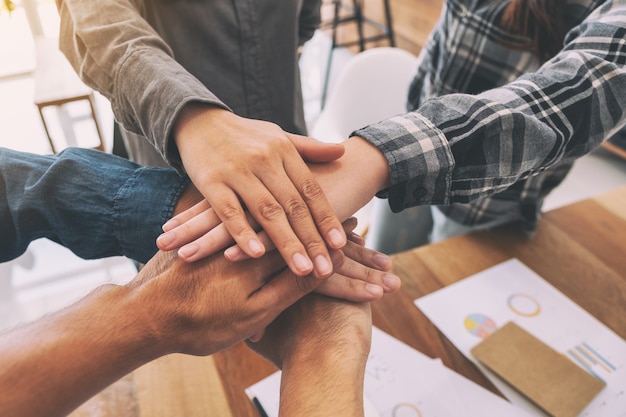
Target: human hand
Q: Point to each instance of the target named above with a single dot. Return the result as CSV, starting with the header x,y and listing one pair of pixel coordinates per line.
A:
x,y
349,183
209,305
314,325
233,160
321,344
205,306
363,276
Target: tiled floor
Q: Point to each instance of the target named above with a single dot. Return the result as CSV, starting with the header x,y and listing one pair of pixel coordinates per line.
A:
x,y
49,276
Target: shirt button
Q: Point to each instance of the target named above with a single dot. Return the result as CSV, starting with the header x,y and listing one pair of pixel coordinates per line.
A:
x,y
419,193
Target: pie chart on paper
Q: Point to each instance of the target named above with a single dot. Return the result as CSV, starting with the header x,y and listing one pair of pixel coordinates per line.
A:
x,y
480,325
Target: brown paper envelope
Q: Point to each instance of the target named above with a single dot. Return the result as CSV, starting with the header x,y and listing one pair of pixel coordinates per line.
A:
x,y
543,375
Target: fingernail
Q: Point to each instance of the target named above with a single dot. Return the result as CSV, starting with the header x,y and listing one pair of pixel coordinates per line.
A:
x,y
322,265
337,239
391,282
256,247
375,290
302,263
188,250
382,261
170,224
234,253
165,239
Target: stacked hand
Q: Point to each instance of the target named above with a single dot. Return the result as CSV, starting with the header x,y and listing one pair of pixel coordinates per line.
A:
x,y
240,164
362,280
211,304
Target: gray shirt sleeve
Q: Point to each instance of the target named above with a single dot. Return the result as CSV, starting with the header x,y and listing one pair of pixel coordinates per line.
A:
x,y
115,51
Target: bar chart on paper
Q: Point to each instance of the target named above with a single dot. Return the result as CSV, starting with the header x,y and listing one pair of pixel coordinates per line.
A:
x,y
593,362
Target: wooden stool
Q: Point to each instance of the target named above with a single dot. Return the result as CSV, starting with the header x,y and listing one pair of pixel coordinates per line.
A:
x,y
57,84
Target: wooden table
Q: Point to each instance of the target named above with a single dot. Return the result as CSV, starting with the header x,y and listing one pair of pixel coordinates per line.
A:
x,y
580,249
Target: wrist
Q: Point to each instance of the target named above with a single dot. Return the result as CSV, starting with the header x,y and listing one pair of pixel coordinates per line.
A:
x,y
158,318
342,353
122,316
192,120
347,341
374,165
354,179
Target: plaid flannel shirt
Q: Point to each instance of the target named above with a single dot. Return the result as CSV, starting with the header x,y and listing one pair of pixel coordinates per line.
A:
x,y
490,130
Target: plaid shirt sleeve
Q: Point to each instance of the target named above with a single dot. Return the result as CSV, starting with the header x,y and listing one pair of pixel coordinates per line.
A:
x,y
457,148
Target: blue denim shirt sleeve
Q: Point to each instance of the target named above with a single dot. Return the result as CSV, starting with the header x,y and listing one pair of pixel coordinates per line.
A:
x,y
95,204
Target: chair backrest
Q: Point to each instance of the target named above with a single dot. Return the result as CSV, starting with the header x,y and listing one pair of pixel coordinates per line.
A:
x,y
371,87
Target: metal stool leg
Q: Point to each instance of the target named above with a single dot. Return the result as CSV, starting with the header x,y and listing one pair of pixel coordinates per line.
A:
x,y
358,17
333,45
389,23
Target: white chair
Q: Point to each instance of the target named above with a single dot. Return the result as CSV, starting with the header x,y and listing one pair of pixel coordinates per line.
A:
x,y
373,86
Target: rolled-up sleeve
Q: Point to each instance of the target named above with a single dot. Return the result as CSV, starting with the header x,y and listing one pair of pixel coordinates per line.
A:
x,y
94,203
457,148
115,51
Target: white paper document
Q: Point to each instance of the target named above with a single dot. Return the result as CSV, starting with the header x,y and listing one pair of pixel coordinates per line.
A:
x,y
471,309
402,382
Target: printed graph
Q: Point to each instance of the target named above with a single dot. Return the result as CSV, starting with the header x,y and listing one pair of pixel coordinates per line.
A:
x,y
406,410
524,305
480,325
591,360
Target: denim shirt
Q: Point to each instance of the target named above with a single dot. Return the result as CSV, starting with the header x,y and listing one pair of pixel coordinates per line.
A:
x,y
151,57
491,130
96,204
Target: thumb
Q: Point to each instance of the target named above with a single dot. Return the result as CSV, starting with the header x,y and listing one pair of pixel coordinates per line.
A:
x,y
313,150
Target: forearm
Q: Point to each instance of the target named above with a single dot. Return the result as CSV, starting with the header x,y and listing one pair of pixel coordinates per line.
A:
x,y
51,366
321,344
93,203
354,179
324,385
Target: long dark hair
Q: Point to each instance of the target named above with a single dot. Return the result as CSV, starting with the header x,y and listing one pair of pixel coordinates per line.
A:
x,y
541,21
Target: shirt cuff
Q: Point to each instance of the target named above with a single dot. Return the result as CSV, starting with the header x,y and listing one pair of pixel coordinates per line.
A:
x,y
420,160
143,204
